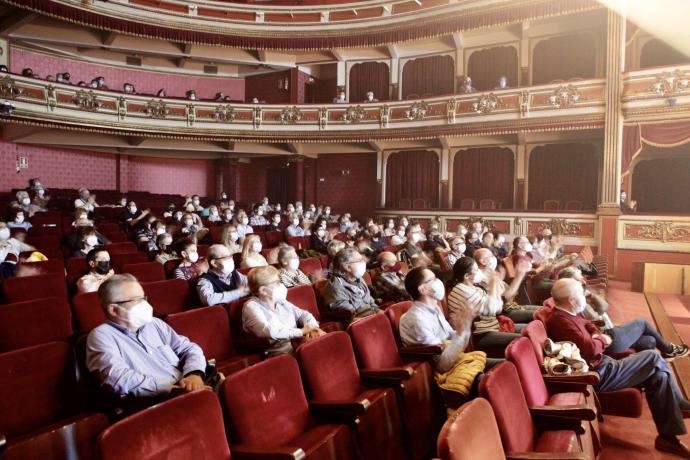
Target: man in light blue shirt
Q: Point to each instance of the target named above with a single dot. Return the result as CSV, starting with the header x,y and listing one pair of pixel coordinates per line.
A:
x,y
135,354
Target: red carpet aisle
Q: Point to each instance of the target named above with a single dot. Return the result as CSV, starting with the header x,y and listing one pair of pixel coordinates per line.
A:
x,y
633,439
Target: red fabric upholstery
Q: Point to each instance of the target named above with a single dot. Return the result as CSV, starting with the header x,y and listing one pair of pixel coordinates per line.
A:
x,y
310,266
118,261
566,399
273,239
169,296
35,287
36,387
471,433
520,352
23,324
76,267
87,311
209,328
394,313
145,272
543,313
297,242
170,266
373,339
557,441
535,331
47,266
304,297
188,426
121,248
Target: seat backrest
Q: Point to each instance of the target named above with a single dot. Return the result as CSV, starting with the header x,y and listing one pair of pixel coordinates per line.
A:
x,y
521,353
374,342
44,267
188,426
501,387
297,242
274,238
310,266
208,327
145,272
258,396
471,433
87,311
304,297
394,313
121,248
169,296
535,331
37,387
170,266
552,205
487,203
19,289
467,203
573,205
118,261
544,313
24,324
76,268
329,367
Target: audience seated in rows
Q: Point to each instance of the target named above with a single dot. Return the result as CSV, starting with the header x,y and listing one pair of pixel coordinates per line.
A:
x,y
221,283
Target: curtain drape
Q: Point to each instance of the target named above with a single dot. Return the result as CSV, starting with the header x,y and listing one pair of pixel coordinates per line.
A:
x,y
277,184
484,173
563,172
369,76
657,134
661,185
431,75
564,58
486,66
412,175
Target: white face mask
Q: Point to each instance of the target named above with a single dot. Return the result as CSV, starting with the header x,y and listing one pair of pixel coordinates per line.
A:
x,y
26,201
4,233
256,247
401,233
193,256
214,213
462,248
528,247
358,269
279,293
295,222
133,209
189,222
321,233
416,237
40,192
234,236
259,213
478,277
160,231
92,240
228,267
293,264
439,289
123,203
19,219
493,263
276,220
581,304
245,221
391,225
196,202
139,315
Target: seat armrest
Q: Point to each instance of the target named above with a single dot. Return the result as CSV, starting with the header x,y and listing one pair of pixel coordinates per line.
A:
x,y
590,378
420,352
546,456
576,411
558,386
245,452
394,373
351,408
556,423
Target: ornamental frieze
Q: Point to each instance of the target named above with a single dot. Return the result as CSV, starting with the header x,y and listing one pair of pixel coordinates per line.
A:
x,y
87,100
666,232
9,88
157,109
562,227
353,114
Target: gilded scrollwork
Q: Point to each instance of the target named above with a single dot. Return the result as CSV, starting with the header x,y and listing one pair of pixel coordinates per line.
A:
x,y
353,114
157,109
51,97
486,104
9,88
290,115
565,96
671,83
666,232
384,115
224,114
561,227
87,100
323,117
417,111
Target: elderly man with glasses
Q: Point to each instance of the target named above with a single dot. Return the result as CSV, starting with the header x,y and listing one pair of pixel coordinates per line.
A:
x,y
134,354
222,283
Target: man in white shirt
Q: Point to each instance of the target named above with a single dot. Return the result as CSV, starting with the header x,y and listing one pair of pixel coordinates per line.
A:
x,y
10,248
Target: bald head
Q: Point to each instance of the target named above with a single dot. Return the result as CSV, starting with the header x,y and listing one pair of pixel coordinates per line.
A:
x,y
387,257
217,251
482,254
568,293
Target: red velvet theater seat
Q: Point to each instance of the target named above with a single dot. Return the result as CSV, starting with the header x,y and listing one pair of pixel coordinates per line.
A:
x,y
274,239
310,266
378,357
209,328
304,297
76,268
145,272
44,267
121,248
471,433
39,409
188,426
519,432
336,387
414,352
394,313
118,261
87,311
268,416
169,296
19,289
24,324
626,402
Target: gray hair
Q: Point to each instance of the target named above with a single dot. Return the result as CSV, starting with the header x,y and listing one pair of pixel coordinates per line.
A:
x,y
284,251
568,272
344,257
108,291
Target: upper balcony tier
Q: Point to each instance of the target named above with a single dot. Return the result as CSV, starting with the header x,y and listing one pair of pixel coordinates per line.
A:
x,y
366,23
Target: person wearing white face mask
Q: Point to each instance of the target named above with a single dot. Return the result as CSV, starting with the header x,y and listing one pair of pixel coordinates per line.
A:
x,y
10,248
135,354
258,218
83,200
294,229
243,227
41,200
87,242
19,221
132,214
645,369
389,229
251,252
269,315
274,226
457,251
191,267
400,236
346,291
424,323
221,283
213,214
412,254
290,274
229,238
468,299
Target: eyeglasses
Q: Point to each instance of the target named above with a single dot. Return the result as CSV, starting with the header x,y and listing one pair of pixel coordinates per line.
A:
x,y
136,299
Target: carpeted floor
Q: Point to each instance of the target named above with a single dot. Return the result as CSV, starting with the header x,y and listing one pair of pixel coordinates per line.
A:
x,y
633,439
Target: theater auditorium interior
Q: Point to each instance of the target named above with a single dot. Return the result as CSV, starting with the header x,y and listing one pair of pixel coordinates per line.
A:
x,y
344,230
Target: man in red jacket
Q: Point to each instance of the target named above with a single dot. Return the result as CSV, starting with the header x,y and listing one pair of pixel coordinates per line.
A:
x,y
645,369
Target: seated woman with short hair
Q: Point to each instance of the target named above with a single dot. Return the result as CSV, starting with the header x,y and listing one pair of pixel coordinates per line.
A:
x,y
290,274
268,315
251,253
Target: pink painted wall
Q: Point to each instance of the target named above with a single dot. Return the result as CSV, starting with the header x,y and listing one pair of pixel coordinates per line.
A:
x,y
145,82
62,168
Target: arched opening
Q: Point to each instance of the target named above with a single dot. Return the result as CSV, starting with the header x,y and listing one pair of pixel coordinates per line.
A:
x,y
482,174
369,76
412,180
486,66
428,77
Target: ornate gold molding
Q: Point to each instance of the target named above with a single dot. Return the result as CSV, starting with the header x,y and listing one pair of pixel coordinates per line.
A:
x,y
561,227
87,100
353,114
661,231
157,109
486,104
9,88
291,115
417,111
565,96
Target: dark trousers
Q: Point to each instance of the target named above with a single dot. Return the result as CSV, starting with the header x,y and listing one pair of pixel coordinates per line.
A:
x,y
647,370
494,343
638,334
525,314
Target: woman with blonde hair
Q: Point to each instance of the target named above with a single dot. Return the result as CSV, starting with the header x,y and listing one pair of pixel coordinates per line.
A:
x,y
251,252
229,238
